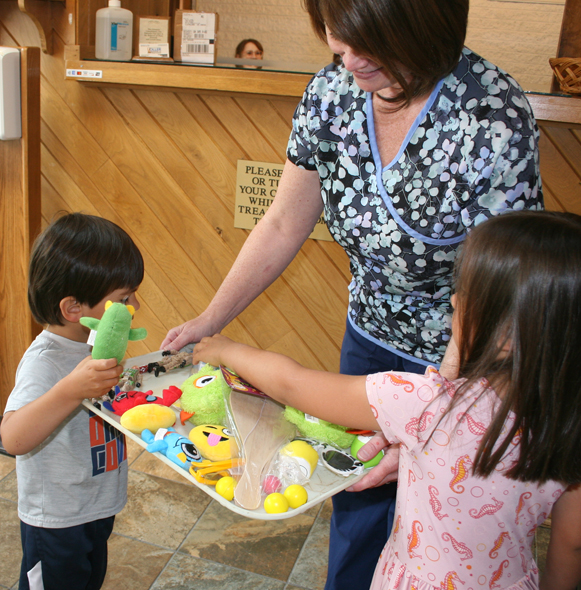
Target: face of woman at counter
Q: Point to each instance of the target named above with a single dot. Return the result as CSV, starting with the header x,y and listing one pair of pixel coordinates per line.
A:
x,y
250,51
369,75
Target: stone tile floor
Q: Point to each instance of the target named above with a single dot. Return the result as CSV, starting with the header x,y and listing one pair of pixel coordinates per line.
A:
x,y
172,536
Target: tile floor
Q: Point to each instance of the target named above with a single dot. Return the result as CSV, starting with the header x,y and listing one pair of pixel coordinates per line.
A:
x,y
172,536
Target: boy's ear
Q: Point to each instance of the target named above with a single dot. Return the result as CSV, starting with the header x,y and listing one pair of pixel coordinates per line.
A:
x,y
71,309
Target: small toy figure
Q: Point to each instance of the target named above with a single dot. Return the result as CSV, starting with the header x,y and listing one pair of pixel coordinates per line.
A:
x,y
113,331
130,379
171,359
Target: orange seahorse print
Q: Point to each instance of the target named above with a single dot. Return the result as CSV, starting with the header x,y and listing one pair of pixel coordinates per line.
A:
x,y
397,526
435,503
398,381
417,425
486,509
460,548
521,502
414,538
448,583
493,554
497,575
460,472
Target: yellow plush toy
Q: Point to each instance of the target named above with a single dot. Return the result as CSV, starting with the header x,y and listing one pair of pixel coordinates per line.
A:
x,y
215,443
148,416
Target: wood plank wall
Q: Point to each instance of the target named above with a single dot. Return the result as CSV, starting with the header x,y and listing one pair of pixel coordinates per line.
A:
x,y
163,166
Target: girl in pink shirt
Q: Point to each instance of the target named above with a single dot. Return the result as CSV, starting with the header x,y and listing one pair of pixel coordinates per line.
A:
x,y
488,445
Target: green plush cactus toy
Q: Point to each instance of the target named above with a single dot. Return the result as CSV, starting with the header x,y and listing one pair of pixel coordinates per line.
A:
x,y
113,331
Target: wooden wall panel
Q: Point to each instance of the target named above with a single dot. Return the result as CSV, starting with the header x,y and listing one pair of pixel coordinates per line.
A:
x,y
19,221
162,165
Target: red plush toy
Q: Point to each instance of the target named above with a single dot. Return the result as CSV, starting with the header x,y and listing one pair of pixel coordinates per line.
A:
x,y
124,400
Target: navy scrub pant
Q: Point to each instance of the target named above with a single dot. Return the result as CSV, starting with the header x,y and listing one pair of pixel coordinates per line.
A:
x,y
71,558
362,521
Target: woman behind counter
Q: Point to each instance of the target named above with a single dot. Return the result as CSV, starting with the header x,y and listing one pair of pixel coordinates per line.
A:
x,y
406,146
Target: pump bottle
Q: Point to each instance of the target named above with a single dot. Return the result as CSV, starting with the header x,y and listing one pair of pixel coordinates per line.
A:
x,y
114,33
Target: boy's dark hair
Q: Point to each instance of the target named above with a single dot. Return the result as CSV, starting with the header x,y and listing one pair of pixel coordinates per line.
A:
x,y
425,37
82,256
519,306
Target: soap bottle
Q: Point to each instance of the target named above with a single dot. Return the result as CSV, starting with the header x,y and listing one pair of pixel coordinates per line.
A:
x,y
114,33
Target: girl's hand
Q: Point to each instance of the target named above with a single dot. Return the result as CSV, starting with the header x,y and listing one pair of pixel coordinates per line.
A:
x,y
211,349
93,378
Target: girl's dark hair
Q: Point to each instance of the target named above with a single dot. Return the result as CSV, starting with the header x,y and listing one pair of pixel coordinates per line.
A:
x,y
240,47
422,37
82,256
519,305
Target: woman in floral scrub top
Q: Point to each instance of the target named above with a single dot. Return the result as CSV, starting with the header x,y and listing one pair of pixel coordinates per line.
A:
x,y
405,147
470,154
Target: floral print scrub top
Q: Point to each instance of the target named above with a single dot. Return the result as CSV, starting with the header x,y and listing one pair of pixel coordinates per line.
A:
x,y
471,154
451,529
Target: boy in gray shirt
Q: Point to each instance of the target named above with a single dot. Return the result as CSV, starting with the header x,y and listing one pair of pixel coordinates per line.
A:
x,y
71,466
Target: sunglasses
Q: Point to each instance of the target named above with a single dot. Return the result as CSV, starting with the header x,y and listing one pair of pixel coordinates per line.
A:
x,y
334,459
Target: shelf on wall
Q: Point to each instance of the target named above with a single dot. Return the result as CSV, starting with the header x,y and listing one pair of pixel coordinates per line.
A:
x,y
556,108
173,75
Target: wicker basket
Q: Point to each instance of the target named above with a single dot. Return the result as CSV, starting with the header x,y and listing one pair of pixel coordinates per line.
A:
x,y
567,70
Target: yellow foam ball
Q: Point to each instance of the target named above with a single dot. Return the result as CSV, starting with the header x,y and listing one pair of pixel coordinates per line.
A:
x,y
150,416
275,503
225,487
296,495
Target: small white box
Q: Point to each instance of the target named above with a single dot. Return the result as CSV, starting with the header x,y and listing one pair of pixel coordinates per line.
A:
x,y
10,112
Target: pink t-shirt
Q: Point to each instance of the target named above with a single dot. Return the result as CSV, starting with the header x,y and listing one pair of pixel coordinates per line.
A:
x,y
453,530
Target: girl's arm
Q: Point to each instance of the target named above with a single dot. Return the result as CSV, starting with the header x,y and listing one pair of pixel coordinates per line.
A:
x,y
268,250
563,570
341,399
24,429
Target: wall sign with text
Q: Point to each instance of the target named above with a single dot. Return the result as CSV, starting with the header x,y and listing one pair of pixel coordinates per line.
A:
x,y
256,184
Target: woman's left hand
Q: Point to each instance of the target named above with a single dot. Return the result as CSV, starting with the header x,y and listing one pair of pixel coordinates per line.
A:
x,y
385,471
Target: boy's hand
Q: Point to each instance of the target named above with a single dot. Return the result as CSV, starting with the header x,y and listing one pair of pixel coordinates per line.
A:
x,y
211,349
93,377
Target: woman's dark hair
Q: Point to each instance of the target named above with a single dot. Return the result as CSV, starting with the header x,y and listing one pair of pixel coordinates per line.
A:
x,y
82,256
422,37
240,47
519,305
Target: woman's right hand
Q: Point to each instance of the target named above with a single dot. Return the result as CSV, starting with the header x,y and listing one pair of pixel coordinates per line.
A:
x,y
190,331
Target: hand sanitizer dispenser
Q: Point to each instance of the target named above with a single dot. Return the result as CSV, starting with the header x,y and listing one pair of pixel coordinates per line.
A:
x,y
114,33
10,112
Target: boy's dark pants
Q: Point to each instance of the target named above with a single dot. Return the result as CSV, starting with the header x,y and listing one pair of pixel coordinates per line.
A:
x,y
72,558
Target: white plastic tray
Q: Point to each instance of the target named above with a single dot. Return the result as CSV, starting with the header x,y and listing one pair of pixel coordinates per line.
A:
x,y
322,485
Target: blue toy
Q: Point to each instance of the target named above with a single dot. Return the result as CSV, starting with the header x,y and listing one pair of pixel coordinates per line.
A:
x,y
177,448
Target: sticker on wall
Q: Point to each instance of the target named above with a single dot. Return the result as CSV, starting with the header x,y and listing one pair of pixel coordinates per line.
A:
x,y
256,185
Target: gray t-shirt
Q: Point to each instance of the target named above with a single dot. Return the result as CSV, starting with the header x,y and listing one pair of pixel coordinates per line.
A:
x,y
79,473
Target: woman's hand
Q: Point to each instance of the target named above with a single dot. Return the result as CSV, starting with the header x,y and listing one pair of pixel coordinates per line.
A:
x,y
191,331
211,350
385,471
